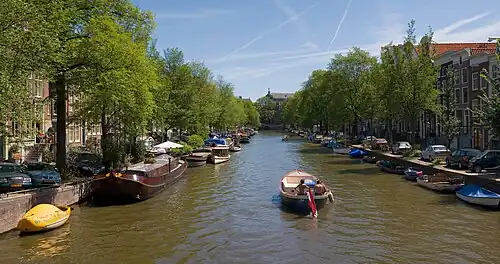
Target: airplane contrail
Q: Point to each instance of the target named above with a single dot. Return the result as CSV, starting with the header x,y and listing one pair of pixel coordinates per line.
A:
x,y
269,31
340,24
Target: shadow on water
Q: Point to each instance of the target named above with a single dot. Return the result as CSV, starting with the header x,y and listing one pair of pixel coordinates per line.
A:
x,y
276,200
315,150
344,161
362,171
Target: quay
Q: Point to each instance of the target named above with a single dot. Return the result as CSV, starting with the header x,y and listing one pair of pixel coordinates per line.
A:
x,y
15,204
485,180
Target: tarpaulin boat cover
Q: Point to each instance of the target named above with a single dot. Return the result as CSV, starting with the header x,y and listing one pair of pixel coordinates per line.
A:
x,y
472,190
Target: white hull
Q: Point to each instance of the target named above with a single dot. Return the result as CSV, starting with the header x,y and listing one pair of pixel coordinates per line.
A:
x,y
343,151
217,160
483,201
438,186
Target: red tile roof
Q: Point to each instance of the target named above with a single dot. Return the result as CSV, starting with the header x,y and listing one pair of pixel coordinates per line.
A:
x,y
441,48
483,51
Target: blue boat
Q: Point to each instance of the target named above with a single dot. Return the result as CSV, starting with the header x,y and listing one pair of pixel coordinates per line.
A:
x,y
411,174
357,153
475,194
215,141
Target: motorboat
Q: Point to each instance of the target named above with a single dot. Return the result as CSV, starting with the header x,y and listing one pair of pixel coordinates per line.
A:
x,y
340,148
390,167
44,217
475,194
220,154
441,183
411,174
196,159
357,153
292,200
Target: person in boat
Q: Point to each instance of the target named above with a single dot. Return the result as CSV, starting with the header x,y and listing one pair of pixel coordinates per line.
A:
x,y
320,188
302,187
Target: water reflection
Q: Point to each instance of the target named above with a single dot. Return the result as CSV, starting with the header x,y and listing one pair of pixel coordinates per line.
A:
x,y
39,247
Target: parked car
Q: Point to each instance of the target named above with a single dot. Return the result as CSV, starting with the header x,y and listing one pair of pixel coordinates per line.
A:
x,y
461,157
434,151
43,174
13,178
85,164
487,160
400,147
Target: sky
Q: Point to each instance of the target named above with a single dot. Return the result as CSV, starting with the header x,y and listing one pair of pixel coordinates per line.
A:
x,y
276,44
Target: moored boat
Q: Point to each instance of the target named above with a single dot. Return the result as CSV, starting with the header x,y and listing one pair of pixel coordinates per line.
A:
x,y
234,148
244,139
411,174
369,159
390,167
44,217
475,194
357,153
340,148
220,154
289,197
440,183
285,138
140,181
196,159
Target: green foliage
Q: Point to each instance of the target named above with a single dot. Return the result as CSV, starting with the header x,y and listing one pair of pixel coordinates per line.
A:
x,y
195,141
138,151
489,114
47,155
450,124
266,108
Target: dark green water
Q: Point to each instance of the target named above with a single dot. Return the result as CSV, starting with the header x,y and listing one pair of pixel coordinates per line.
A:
x,y
230,213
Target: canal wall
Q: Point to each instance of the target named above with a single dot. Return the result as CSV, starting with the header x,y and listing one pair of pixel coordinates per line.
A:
x,y
14,205
485,180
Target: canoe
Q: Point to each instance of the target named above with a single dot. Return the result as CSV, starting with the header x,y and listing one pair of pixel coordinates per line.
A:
x,y
475,194
390,167
299,203
440,183
411,174
44,217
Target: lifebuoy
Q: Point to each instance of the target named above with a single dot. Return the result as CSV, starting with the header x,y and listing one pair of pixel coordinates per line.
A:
x,y
330,197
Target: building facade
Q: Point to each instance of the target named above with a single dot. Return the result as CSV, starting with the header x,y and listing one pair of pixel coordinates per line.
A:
x,y
279,99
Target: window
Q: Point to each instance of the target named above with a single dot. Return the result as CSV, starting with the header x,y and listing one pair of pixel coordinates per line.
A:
x,y
484,83
71,134
495,71
475,81
465,95
456,77
35,85
466,121
457,96
465,76
460,116
54,107
475,107
78,133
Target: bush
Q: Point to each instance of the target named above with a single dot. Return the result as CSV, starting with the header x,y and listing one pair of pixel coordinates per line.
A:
x,y
416,147
437,161
195,141
138,150
47,155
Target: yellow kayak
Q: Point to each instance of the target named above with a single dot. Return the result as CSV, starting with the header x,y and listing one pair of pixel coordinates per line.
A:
x,y
44,217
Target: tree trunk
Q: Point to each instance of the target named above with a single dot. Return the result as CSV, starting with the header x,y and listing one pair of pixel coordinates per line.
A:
x,y
105,141
59,87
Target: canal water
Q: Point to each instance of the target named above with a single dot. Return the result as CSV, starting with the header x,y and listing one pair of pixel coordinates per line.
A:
x,y
230,213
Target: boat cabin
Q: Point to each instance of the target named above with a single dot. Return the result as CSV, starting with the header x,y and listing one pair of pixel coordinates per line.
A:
x,y
163,165
220,151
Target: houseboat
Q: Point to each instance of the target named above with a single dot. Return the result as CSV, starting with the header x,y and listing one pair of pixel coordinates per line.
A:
x,y
140,181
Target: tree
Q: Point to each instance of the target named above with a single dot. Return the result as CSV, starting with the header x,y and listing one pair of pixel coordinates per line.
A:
x,y
72,24
252,117
354,72
116,94
490,112
450,124
266,108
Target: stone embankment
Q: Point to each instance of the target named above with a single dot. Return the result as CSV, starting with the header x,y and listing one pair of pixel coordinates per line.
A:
x,y
485,180
14,205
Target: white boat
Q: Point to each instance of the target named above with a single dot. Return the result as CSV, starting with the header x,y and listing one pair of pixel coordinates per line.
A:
x,y
234,148
289,195
220,154
340,148
440,183
478,195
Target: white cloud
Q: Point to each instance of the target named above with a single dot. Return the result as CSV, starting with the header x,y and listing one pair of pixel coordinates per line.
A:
x,y
269,31
205,13
392,29
340,24
299,23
